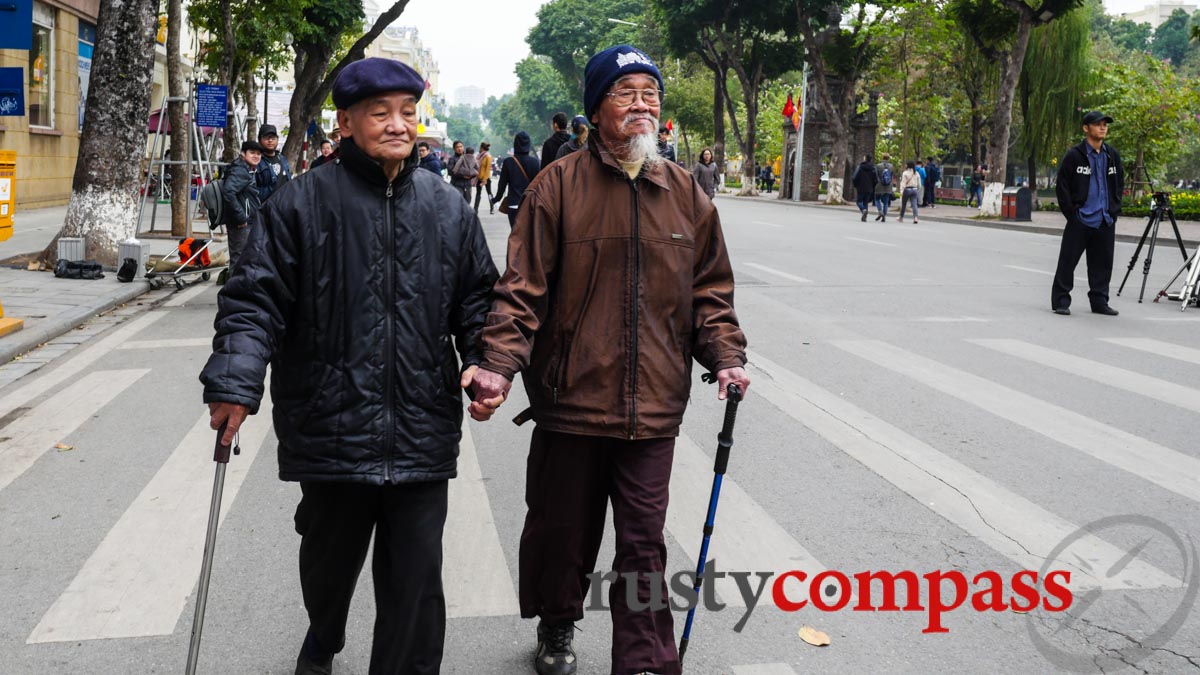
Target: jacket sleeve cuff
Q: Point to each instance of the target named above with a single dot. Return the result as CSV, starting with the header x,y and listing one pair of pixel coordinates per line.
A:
x,y
228,397
730,360
500,364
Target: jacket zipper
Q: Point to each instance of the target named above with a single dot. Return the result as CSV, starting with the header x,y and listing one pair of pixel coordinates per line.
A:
x,y
633,358
390,364
560,367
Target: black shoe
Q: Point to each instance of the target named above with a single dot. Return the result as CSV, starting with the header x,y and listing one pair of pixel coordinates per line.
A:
x,y
1065,311
304,666
879,217
1105,310
864,218
555,654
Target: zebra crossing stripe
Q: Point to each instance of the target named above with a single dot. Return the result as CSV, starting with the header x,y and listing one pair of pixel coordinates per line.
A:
x,y
138,580
1007,522
168,344
778,273
76,364
1150,461
473,557
1120,378
30,436
1167,349
764,669
746,539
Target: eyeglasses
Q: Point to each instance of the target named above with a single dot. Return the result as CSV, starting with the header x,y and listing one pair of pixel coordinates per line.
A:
x,y
625,97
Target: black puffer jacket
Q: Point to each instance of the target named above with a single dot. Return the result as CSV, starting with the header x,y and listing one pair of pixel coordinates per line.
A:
x,y
351,289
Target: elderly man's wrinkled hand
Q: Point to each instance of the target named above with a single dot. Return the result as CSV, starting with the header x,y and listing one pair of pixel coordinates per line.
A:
x,y
488,390
727,376
233,413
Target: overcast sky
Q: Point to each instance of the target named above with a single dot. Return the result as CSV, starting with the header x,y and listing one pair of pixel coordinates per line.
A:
x,y
480,41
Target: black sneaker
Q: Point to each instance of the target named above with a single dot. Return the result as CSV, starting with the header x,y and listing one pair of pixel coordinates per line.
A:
x,y
306,666
555,654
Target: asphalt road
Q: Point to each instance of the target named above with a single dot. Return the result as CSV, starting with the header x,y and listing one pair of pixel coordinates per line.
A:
x,y
915,406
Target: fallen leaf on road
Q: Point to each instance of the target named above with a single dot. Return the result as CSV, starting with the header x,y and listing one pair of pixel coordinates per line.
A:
x,y
62,447
56,516
1018,611
813,636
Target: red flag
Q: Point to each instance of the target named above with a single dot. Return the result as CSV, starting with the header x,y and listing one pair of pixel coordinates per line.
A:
x,y
670,127
789,107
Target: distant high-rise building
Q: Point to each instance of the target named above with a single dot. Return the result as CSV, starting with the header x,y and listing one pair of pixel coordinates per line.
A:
x,y
1158,12
471,95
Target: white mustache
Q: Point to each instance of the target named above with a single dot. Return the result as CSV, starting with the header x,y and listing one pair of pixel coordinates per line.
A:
x,y
634,117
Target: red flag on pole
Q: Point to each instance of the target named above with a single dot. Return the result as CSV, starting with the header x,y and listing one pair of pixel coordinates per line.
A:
x,y
789,107
670,126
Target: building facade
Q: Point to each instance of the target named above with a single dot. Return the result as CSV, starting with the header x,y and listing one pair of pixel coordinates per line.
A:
x,y
1157,13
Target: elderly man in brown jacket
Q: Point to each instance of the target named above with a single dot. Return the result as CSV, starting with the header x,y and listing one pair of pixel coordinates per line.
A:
x,y
617,278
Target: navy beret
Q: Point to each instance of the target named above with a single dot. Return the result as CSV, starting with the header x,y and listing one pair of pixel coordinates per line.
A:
x,y
367,77
609,66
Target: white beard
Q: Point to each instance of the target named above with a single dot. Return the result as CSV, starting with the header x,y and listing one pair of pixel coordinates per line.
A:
x,y
640,147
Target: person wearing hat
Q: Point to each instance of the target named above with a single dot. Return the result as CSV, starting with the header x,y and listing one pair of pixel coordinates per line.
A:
x,y
276,170
618,276
365,286
241,198
1091,180
579,134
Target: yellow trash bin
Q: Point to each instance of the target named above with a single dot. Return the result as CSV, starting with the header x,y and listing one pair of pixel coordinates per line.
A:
x,y
8,192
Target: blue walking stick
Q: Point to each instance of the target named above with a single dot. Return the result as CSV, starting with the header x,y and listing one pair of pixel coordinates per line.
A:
x,y
724,443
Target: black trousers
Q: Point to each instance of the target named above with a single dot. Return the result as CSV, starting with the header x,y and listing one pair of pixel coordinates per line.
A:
x,y
479,188
463,187
335,521
570,481
930,195
1098,243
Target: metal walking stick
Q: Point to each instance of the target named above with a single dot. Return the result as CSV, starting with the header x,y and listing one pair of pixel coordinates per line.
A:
x,y
221,457
724,443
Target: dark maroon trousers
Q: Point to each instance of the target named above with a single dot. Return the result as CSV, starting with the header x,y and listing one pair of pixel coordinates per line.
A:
x,y
569,484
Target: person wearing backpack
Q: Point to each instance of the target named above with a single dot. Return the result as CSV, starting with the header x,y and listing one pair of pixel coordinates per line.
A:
x,y
883,189
934,173
241,198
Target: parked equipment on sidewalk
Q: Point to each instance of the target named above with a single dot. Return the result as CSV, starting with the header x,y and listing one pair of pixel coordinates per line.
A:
x,y
221,457
1160,206
190,257
724,442
1189,294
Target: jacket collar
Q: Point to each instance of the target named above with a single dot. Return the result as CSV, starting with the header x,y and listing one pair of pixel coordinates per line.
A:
x,y
599,150
368,169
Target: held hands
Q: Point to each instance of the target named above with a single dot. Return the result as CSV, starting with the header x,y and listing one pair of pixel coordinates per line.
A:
x,y
728,376
233,413
487,389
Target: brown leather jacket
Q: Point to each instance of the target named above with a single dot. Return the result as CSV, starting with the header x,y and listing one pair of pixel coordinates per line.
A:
x,y
612,287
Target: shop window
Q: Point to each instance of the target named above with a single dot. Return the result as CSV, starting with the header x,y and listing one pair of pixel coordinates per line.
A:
x,y
41,68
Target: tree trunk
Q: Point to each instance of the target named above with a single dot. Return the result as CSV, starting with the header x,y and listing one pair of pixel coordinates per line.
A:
x,y
839,129
225,76
751,100
250,96
177,110
105,190
1001,119
719,122
312,64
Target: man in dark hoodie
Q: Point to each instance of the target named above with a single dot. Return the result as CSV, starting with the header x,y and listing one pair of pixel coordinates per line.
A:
x,y
515,175
363,285
864,179
429,158
559,135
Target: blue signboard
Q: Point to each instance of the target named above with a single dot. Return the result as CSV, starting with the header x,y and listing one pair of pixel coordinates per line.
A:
x,y
12,92
212,105
16,24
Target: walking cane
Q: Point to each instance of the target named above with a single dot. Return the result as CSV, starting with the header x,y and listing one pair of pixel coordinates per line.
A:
x,y
724,443
221,457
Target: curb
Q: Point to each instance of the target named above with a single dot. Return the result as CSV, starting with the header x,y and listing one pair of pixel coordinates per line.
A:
x,y
1164,238
29,338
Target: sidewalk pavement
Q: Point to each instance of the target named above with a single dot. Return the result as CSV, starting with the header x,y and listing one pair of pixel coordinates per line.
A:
x,y
1129,229
52,306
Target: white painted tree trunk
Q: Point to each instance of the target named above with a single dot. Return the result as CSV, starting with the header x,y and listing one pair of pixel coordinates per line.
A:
x,y
105,190
834,193
993,193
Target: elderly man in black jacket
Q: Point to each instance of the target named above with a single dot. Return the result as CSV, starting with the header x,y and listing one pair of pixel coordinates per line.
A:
x,y
361,283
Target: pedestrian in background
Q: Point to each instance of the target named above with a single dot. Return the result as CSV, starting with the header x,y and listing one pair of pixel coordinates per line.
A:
x,y
579,135
558,136
242,198
864,180
614,232
463,169
1091,181
910,189
884,189
933,181
327,154
707,174
484,177
365,287
275,168
977,186
768,178
429,159
515,175
664,144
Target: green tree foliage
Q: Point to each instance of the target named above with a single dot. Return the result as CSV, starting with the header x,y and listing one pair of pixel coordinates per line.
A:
x,y
689,102
1171,39
1154,111
569,32
540,94
1050,98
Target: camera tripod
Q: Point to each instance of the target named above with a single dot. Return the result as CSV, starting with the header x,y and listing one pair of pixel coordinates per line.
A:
x,y
1189,294
1160,207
